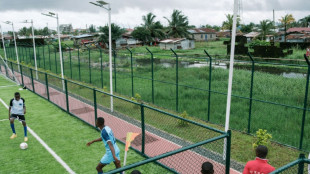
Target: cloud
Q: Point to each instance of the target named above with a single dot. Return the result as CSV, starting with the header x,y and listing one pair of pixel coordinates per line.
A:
x,y
128,13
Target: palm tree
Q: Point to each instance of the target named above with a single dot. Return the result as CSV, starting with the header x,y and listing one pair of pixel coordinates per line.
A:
x,y
286,20
265,27
155,28
178,25
228,24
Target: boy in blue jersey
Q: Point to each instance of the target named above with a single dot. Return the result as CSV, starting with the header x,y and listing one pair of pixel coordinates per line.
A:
x,y
112,150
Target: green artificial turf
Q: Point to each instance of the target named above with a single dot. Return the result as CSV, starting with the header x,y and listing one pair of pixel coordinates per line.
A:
x,y
66,135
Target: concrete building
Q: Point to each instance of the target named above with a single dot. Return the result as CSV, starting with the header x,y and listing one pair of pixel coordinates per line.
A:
x,y
65,28
202,34
177,43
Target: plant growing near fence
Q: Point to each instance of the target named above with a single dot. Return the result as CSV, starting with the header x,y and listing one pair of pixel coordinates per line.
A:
x,y
183,123
262,138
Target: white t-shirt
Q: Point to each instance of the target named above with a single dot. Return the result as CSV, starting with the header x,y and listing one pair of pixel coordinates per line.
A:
x,y
17,106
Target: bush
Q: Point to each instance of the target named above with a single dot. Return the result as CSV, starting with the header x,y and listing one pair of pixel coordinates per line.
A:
x,y
183,123
262,138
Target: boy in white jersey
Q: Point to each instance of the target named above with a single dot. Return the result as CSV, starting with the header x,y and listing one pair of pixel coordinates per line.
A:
x,y
112,150
17,110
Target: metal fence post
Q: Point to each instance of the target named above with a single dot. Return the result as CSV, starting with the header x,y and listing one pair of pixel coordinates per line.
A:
x,y
12,68
210,77
228,147
176,79
55,59
67,98
21,74
79,64
131,70
305,105
114,55
70,60
101,70
152,65
301,165
47,90
251,93
142,129
44,57
95,105
89,65
49,57
31,75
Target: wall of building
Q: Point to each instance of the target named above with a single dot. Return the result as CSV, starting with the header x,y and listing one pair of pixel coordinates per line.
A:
x,y
204,37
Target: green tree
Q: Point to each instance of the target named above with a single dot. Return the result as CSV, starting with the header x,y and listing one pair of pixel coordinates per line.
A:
x,y
142,34
155,28
228,24
23,31
247,28
178,25
45,31
214,27
304,22
265,27
92,28
286,21
116,31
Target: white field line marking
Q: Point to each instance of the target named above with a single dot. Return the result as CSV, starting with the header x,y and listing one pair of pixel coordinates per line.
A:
x,y
8,86
4,120
69,170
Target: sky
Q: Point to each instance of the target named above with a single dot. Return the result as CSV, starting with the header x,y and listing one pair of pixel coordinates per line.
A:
x,y
128,13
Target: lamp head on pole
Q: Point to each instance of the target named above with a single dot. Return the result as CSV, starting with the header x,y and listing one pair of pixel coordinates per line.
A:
x,y
100,4
8,22
50,14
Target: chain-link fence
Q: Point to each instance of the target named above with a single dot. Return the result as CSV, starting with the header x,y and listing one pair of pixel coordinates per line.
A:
x,y
266,95
299,166
188,159
179,146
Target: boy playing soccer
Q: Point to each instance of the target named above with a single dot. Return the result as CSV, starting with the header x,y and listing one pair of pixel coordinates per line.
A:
x,y
17,110
112,150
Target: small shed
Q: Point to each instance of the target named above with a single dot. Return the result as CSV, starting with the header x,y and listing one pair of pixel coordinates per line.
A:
x,y
252,35
81,39
177,43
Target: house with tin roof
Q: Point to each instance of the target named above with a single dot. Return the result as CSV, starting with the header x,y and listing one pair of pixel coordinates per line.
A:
x,y
177,43
202,34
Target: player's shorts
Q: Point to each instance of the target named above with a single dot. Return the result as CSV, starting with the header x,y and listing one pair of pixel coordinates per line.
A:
x,y
108,158
19,117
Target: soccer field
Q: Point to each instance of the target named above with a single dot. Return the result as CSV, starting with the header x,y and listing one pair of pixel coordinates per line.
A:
x,y
64,134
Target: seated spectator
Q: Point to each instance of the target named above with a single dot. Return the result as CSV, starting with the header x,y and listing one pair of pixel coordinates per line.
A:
x,y
260,164
207,168
135,172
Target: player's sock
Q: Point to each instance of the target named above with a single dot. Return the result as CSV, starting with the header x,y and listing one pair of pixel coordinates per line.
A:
x,y
13,128
25,131
100,172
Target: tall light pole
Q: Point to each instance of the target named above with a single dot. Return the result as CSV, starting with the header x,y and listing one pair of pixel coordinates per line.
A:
x,y
6,59
102,5
11,23
34,46
55,15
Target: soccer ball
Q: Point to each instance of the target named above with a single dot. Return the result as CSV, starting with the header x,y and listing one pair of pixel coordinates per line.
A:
x,y
23,146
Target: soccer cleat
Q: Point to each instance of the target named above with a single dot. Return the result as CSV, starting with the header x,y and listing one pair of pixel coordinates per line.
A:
x,y
26,139
13,136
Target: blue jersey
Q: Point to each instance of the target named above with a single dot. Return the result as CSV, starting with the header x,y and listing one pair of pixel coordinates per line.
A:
x,y
107,135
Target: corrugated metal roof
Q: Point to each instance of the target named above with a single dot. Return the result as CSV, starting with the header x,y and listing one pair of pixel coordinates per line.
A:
x,y
252,34
300,29
82,36
201,30
172,40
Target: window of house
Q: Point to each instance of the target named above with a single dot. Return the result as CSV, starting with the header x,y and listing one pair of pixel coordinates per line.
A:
x,y
202,36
